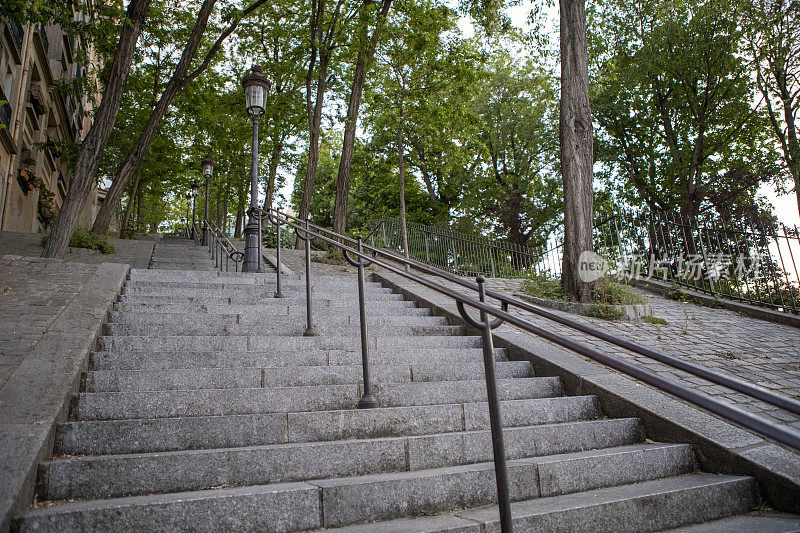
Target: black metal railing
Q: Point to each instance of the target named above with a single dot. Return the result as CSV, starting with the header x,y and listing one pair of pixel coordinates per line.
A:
x,y
223,252
17,34
754,263
361,255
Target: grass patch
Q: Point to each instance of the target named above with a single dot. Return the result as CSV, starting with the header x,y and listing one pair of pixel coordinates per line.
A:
x,y
611,292
83,238
544,288
605,311
650,319
674,293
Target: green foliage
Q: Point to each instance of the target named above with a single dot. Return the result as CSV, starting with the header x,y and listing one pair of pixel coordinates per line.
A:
x,y
608,291
545,288
650,319
84,238
605,311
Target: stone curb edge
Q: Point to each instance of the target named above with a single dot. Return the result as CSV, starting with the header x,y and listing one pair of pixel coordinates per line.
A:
x,y
38,394
720,446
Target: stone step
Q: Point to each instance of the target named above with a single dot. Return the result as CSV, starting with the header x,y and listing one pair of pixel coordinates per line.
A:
x,y
293,289
204,432
204,298
279,343
289,376
175,359
353,500
138,274
245,284
269,307
209,402
258,316
111,476
293,326
649,506
760,521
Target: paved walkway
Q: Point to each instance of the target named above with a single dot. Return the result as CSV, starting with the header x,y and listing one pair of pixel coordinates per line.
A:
x,y
133,252
757,351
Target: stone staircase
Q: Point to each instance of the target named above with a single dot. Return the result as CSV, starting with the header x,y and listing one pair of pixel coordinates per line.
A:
x,y
205,409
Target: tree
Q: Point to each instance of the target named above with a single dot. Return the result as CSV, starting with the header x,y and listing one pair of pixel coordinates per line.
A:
x,y
366,52
575,136
674,103
180,77
772,30
83,180
516,194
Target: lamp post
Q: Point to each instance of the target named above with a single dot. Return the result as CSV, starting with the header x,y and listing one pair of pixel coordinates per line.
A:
x,y
256,87
208,169
188,201
195,188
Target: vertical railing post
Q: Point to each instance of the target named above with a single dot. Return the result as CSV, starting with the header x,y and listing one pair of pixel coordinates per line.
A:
x,y
311,331
367,400
493,398
278,291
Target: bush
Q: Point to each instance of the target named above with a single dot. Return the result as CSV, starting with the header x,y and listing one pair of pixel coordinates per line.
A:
x,y
608,291
605,311
654,320
83,238
544,288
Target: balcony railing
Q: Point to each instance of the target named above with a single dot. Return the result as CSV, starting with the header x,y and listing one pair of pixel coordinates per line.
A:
x,y
17,34
5,110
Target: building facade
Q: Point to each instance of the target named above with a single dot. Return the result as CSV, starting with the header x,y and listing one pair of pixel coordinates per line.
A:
x,y
35,62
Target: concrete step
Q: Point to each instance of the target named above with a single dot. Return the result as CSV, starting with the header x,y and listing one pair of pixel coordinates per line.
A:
x,y
138,274
218,286
358,499
178,358
204,298
293,326
209,402
279,343
649,506
762,522
111,476
204,432
269,307
292,376
259,316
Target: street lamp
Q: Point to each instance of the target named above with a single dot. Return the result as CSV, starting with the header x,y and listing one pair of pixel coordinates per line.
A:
x,y
195,188
188,201
256,87
208,169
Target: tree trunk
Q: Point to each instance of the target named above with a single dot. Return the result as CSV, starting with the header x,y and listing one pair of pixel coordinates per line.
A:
x,y
126,219
401,166
83,179
237,233
134,158
575,134
365,54
274,160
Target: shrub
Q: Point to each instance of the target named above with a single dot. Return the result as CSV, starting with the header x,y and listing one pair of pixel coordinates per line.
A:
x,y
604,311
654,320
83,238
611,292
543,287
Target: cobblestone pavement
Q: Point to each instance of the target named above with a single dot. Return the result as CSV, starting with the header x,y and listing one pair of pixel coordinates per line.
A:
x,y
33,293
757,351
136,253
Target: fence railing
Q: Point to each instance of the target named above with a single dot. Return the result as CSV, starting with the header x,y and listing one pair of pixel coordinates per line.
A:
x,y
755,263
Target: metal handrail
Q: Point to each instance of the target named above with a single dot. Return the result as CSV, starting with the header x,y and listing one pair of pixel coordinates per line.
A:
x,y
220,245
361,255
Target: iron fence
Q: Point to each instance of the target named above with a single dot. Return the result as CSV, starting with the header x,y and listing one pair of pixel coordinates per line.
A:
x,y
753,262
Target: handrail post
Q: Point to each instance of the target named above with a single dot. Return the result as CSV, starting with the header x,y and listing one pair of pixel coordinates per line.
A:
x,y
367,400
260,236
311,331
278,291
495,419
